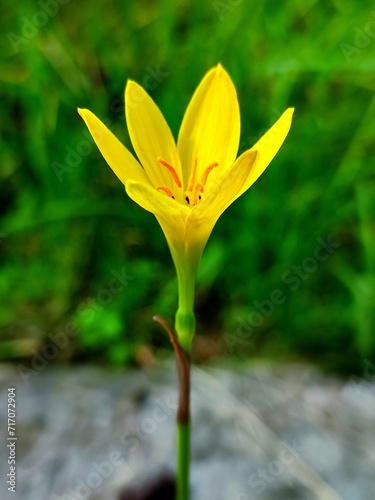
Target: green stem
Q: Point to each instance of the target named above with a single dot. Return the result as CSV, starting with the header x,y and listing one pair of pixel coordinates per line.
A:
x,y
183,425
185,329
183,413
182,343
185,318
183,464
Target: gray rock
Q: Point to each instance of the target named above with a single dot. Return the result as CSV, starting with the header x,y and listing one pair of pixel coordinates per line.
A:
x,y
261,432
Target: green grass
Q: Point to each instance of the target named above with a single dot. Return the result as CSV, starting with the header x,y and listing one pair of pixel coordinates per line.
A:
x,y
69,224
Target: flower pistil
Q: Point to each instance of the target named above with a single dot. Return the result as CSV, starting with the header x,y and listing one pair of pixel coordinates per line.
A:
x,y
195,189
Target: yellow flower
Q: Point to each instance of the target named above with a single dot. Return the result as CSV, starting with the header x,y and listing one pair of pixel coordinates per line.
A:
x,y
189,185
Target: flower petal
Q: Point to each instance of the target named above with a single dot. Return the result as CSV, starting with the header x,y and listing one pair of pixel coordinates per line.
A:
x,y
268,145
210,130
222,190
171,215
151,137
121,161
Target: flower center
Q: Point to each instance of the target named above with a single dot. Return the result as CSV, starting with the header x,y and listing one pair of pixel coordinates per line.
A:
x,y
194,189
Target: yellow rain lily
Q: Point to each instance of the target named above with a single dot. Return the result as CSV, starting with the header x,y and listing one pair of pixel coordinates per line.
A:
x,y
188,185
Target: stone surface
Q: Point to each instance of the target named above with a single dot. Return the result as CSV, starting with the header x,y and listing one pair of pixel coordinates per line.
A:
x,y
259,432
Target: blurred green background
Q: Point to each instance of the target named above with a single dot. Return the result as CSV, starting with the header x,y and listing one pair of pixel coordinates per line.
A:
x,y
83,268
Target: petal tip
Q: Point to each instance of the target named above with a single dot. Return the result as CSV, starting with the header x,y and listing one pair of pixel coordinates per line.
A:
x,y
217,71
129,82
134,94
220,70
83,113
290,111
130,86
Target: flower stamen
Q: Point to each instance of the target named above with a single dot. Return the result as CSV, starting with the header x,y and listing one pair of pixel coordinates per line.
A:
x,y
195,189
193,175
198,189
172,171
166,190
207,171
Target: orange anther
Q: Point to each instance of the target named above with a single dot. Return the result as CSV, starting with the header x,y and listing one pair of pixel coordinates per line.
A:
x,y
171,170
207,171
166,190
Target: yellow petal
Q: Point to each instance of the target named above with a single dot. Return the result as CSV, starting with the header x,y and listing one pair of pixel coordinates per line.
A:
x,y
210,130
162,206
151,138
220,192
121,161
170,214
154,201
268,145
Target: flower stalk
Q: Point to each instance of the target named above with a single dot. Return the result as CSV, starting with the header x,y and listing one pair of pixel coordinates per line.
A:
x,y
183,412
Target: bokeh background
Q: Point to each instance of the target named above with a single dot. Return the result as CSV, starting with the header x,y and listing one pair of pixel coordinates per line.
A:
x,y
83,269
